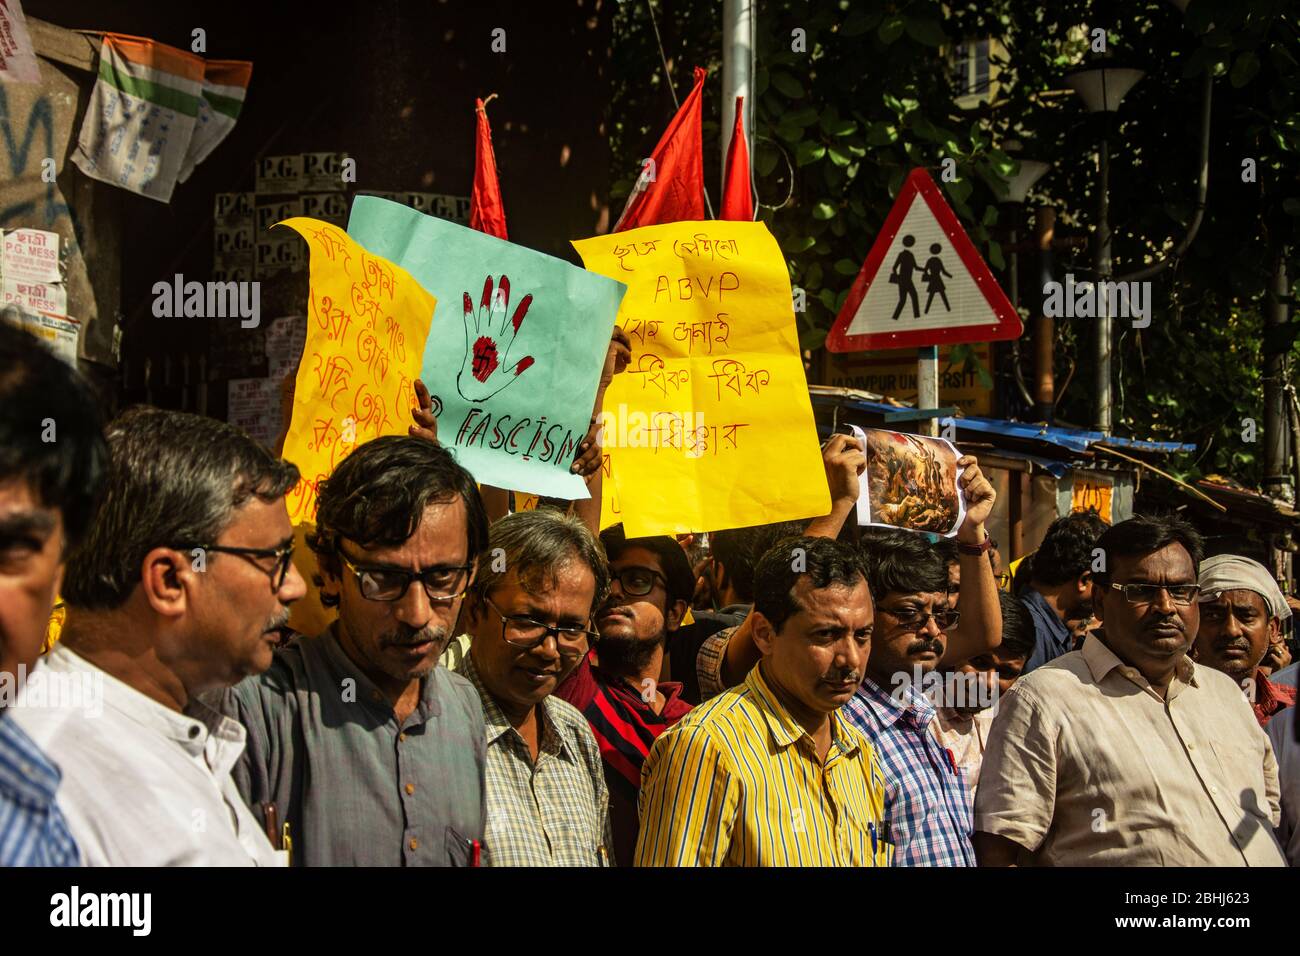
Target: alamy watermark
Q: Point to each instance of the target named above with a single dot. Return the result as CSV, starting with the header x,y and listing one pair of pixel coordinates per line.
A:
x,y
1087,300
948,689
208,300
46,689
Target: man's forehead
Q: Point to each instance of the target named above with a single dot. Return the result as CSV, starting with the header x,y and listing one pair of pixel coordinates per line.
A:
x,y
17,496
440,538
894,598
836,600
637,556
259,523
1170,562
1239,598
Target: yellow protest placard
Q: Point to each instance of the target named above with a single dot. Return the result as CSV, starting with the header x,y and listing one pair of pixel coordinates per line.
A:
x,y
366,328
711,426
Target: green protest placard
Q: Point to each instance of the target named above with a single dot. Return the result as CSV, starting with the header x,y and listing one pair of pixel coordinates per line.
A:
x,y
514,354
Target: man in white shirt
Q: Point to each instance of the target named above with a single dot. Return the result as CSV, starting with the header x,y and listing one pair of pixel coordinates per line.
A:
x,y
181,587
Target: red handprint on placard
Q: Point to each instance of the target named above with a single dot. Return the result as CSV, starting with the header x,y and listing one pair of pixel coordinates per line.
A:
x,y
490,332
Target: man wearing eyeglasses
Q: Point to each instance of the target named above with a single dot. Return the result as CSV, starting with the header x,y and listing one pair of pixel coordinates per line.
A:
x,y
181,587
1125,752
360,748
529,614
621,696
927,802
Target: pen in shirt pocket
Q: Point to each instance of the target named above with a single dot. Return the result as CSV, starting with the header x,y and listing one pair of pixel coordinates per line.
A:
x,y
872,827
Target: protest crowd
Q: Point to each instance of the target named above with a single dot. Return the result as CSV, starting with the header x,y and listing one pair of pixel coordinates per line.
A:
x,y
536,564
523,689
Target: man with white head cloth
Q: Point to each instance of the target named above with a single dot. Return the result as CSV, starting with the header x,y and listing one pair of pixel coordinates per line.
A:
x,y
1242,610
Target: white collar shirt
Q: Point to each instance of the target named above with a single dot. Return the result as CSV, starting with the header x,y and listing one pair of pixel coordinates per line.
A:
x,y
143,785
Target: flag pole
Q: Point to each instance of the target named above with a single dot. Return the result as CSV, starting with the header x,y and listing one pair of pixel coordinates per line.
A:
x,y
927,386
737,76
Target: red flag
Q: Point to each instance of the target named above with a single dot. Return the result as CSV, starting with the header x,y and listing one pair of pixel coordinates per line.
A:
x,y
671,185
486,211
737,199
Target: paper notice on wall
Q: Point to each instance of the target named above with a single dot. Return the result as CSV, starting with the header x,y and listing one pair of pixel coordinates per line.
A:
x,y
34,296
60,333
30,255
285,338
17,56
253,404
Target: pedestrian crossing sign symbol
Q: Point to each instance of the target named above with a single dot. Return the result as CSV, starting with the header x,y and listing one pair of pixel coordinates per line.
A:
x,y
923,283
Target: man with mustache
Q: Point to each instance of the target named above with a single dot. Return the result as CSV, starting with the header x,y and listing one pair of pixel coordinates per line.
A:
x,y
622,697
179,588
528,613
927,802
1242,610
48,493
770,773
368,752
1126,753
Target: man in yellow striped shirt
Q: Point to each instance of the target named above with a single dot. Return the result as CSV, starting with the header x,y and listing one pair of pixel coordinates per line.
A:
x,y
769,773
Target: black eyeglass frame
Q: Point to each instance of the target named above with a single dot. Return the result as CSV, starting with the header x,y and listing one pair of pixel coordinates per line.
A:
x,y
279,571
618,576
548,630
408,576
952,613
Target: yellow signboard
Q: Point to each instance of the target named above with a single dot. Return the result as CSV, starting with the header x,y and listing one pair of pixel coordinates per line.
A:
x,y
893,373
1092,492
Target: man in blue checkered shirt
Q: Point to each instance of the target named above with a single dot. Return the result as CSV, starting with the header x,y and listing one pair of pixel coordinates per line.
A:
x,y
52,461
927,802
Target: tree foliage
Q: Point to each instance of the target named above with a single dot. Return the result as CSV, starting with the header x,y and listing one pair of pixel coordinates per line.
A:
x,y
871,95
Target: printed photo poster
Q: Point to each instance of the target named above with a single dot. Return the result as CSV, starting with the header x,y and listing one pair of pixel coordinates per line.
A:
x,y
711,425
910,483
518,343
367,322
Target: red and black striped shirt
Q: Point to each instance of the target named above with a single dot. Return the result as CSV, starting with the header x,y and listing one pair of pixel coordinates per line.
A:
x,y
625,726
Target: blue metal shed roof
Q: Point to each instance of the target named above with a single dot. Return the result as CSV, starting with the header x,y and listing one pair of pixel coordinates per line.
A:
x,y
1073,439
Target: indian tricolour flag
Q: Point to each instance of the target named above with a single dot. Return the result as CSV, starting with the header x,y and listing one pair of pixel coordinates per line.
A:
x,y
225,84
141,115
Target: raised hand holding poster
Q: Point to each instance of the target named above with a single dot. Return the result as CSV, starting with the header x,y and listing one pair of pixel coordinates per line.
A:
x,y
710,426
910,482
515,353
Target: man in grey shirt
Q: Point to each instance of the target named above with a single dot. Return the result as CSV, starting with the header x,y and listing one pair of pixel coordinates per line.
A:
x,y
370,753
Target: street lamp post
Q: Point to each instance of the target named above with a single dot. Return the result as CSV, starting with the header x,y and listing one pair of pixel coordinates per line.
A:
x,y
1028,172
1102,89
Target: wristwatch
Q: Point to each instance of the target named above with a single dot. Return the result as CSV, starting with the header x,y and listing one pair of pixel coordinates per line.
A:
x,y
977,549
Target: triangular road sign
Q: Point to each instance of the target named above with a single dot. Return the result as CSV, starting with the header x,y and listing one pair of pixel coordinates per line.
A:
x,y
933,289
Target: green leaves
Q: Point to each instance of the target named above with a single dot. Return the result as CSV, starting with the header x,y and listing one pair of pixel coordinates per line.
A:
x,y
891,29
925,30
1244,69
823,210
808,152
788,85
